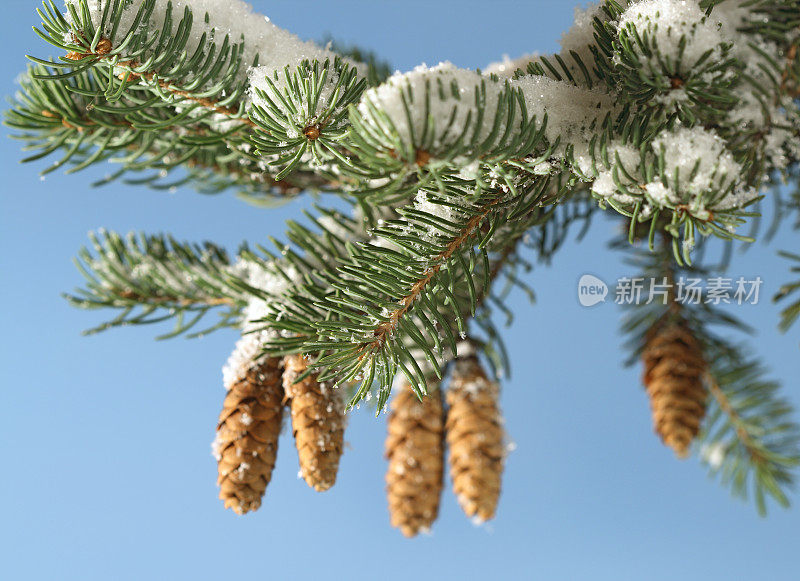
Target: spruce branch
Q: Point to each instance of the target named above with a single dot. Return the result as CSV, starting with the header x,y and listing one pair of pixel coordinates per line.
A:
x,y
161,59
676,115
179,76
396,302
150,279
748,435
68,116
303,112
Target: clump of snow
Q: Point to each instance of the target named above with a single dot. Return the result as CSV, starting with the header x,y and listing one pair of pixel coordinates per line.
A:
x,y
506,68
604,185
580,36
661,195
714,454
272,279
732,15
465,349
274,46
697,168
679,37
700,175
698,157
216,447
757,55
453,93
574,114
623,160
268,279
245,356
432,205
678,28
581,33
276,95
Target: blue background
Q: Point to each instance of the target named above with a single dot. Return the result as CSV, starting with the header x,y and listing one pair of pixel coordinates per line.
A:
x,y
107,472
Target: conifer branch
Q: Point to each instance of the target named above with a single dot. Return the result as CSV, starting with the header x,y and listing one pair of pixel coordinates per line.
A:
x,y
389,325
133,71
213,105
748,434
736,421
675,115
150,279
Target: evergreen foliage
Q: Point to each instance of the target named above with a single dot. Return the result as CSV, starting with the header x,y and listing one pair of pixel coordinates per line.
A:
x,y
679,117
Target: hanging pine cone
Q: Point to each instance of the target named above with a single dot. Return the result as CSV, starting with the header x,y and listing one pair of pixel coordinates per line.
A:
x,y
475,439
317,422
673,375
248,428
415,450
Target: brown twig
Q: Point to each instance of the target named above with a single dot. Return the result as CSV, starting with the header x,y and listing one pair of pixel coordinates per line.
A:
x,y
284,187
102,51
725,405
207,103
386,327
791,57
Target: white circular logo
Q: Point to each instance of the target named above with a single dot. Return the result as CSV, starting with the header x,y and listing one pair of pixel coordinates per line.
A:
x,y
591,290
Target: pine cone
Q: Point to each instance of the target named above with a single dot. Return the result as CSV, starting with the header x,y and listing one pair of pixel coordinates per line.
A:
x,y
673,375
247,434
317,422
475,439
415,450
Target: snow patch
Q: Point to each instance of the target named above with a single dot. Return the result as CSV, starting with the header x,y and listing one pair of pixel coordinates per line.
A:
x,y
453,93
212,20
574,114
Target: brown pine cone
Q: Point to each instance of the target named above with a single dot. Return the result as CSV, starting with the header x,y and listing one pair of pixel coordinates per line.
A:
x,y
317,422
673,375
475,439
247,434
415,450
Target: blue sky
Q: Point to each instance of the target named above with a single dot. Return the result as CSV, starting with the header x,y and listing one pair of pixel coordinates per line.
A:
x,y
108,472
